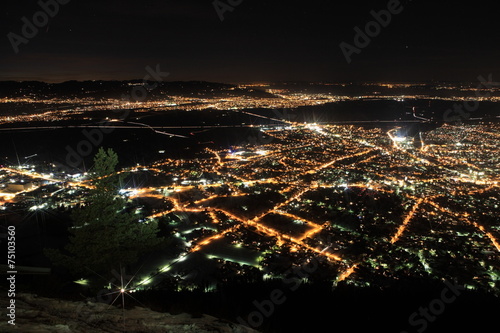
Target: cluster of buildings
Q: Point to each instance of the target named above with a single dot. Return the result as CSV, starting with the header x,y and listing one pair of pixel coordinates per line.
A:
x,y
367,207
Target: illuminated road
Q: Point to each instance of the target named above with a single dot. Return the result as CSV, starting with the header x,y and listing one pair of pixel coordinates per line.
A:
x,y
313,157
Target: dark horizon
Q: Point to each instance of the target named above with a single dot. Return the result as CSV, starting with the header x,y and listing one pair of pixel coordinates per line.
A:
x,y
235,165
352,82
256,42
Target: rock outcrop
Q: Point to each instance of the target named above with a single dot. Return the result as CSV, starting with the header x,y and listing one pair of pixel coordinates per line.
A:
x,y
45,315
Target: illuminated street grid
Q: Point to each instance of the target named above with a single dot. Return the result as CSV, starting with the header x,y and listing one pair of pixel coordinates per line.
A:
x,y
370,204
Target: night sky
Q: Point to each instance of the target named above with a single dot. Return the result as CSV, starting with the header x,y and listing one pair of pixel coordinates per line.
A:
x,y
260,40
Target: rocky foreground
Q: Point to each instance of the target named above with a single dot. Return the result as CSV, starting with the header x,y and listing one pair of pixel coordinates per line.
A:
x,y
46,315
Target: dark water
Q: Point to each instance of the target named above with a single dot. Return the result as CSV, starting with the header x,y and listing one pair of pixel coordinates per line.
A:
x,y
143,145
133,146
311,307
